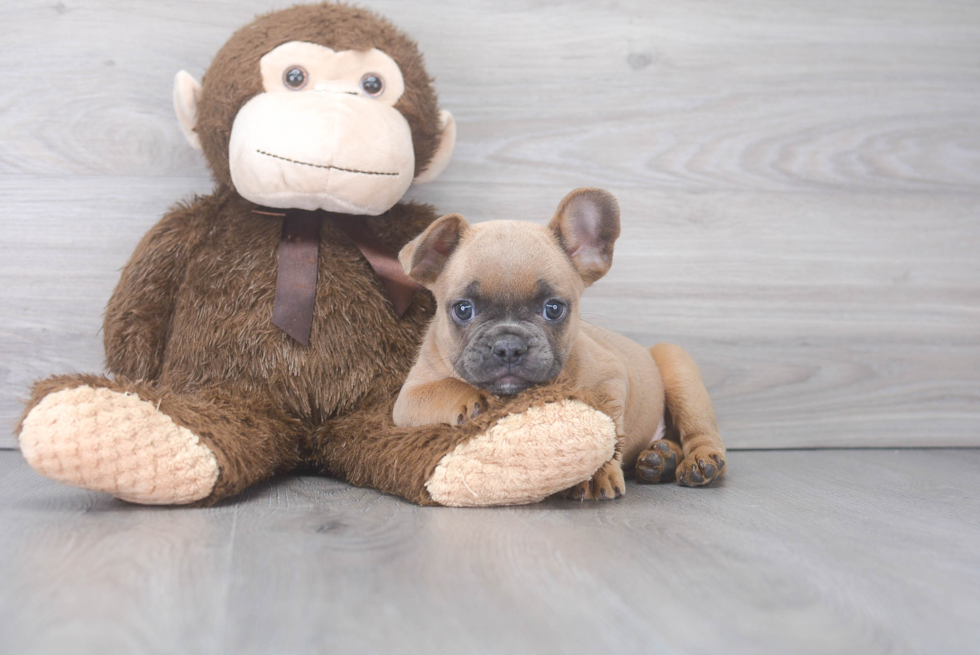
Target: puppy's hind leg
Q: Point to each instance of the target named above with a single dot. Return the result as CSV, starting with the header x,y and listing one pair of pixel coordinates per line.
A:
x,y
692,414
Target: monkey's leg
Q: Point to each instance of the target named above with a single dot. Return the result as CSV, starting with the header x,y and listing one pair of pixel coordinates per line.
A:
x,y
693,417
542,442
153,446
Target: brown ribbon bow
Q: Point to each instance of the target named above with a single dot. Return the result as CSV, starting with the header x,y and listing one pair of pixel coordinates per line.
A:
x,y
298,262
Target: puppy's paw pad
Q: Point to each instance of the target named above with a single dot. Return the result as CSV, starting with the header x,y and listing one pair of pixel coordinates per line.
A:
x,y
658,463
701,467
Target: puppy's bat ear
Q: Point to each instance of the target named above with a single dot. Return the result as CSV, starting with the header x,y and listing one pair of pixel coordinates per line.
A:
x,y
424,256
587,225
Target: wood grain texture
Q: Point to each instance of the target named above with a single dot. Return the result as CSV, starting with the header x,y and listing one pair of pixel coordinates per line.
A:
x,y
796,552
799,183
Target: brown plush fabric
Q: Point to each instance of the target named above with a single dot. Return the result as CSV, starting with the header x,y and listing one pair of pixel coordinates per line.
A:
x,y
366,449
223,358
233,77
189,326
251,437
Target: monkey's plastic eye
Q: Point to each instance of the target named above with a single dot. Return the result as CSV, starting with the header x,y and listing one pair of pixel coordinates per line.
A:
x,y
372,84
463,311
295,77
554,310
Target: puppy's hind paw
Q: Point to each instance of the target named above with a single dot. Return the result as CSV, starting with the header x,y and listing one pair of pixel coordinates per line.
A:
x,y
701,467
659,462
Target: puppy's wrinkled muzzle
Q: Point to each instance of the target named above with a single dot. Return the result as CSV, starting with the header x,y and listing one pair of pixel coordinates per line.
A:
x,y
509,349
506,357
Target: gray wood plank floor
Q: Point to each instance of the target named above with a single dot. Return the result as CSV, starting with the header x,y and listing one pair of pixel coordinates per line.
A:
x,y
797,552
800,183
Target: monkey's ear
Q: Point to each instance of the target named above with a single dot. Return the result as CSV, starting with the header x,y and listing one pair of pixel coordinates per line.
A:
x,y
447,141
187,93
424,256
587,225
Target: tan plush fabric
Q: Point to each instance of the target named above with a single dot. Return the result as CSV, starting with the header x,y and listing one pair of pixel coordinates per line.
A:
x,y
440,160
327,144
187,93
109,441
526,457
337,152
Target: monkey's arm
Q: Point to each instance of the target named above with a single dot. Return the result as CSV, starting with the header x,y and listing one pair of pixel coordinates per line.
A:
x,y
137,319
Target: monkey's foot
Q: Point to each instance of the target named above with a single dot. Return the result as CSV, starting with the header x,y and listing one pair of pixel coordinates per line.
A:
x,y
524,458
659,462
104,440
703,466
606,484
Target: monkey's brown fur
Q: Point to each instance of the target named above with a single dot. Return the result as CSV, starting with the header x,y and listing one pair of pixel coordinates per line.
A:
x,y
188,326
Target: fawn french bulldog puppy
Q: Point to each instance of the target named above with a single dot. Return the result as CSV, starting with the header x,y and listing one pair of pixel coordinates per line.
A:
x,y
508,319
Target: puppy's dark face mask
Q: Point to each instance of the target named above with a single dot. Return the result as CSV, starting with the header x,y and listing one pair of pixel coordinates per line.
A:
x,y
506,344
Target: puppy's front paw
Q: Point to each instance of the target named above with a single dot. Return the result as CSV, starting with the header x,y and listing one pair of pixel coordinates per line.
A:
x,y
702,466
476,403
659,462
606,484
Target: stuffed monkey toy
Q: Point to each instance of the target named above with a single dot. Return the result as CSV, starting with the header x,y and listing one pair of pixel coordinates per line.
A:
x,y
268,327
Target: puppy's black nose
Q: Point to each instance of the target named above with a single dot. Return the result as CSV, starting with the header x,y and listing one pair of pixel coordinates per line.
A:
x,y
509,349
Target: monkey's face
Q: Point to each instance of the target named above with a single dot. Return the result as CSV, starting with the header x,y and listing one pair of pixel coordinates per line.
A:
x,y
324,133
318,107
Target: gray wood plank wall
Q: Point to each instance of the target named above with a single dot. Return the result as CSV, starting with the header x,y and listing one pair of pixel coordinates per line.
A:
x,y
799,183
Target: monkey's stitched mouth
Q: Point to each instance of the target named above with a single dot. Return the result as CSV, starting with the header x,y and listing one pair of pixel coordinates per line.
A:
x,y
335,168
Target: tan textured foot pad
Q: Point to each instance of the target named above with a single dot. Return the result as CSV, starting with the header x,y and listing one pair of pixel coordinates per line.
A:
x,y
524,458
114,442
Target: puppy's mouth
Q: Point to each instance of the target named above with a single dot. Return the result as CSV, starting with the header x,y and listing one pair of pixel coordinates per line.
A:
x,y
507,385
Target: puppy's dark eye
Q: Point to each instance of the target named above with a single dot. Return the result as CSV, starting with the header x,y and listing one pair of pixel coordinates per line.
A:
x,y
372,84
554,310
295,77
463,311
